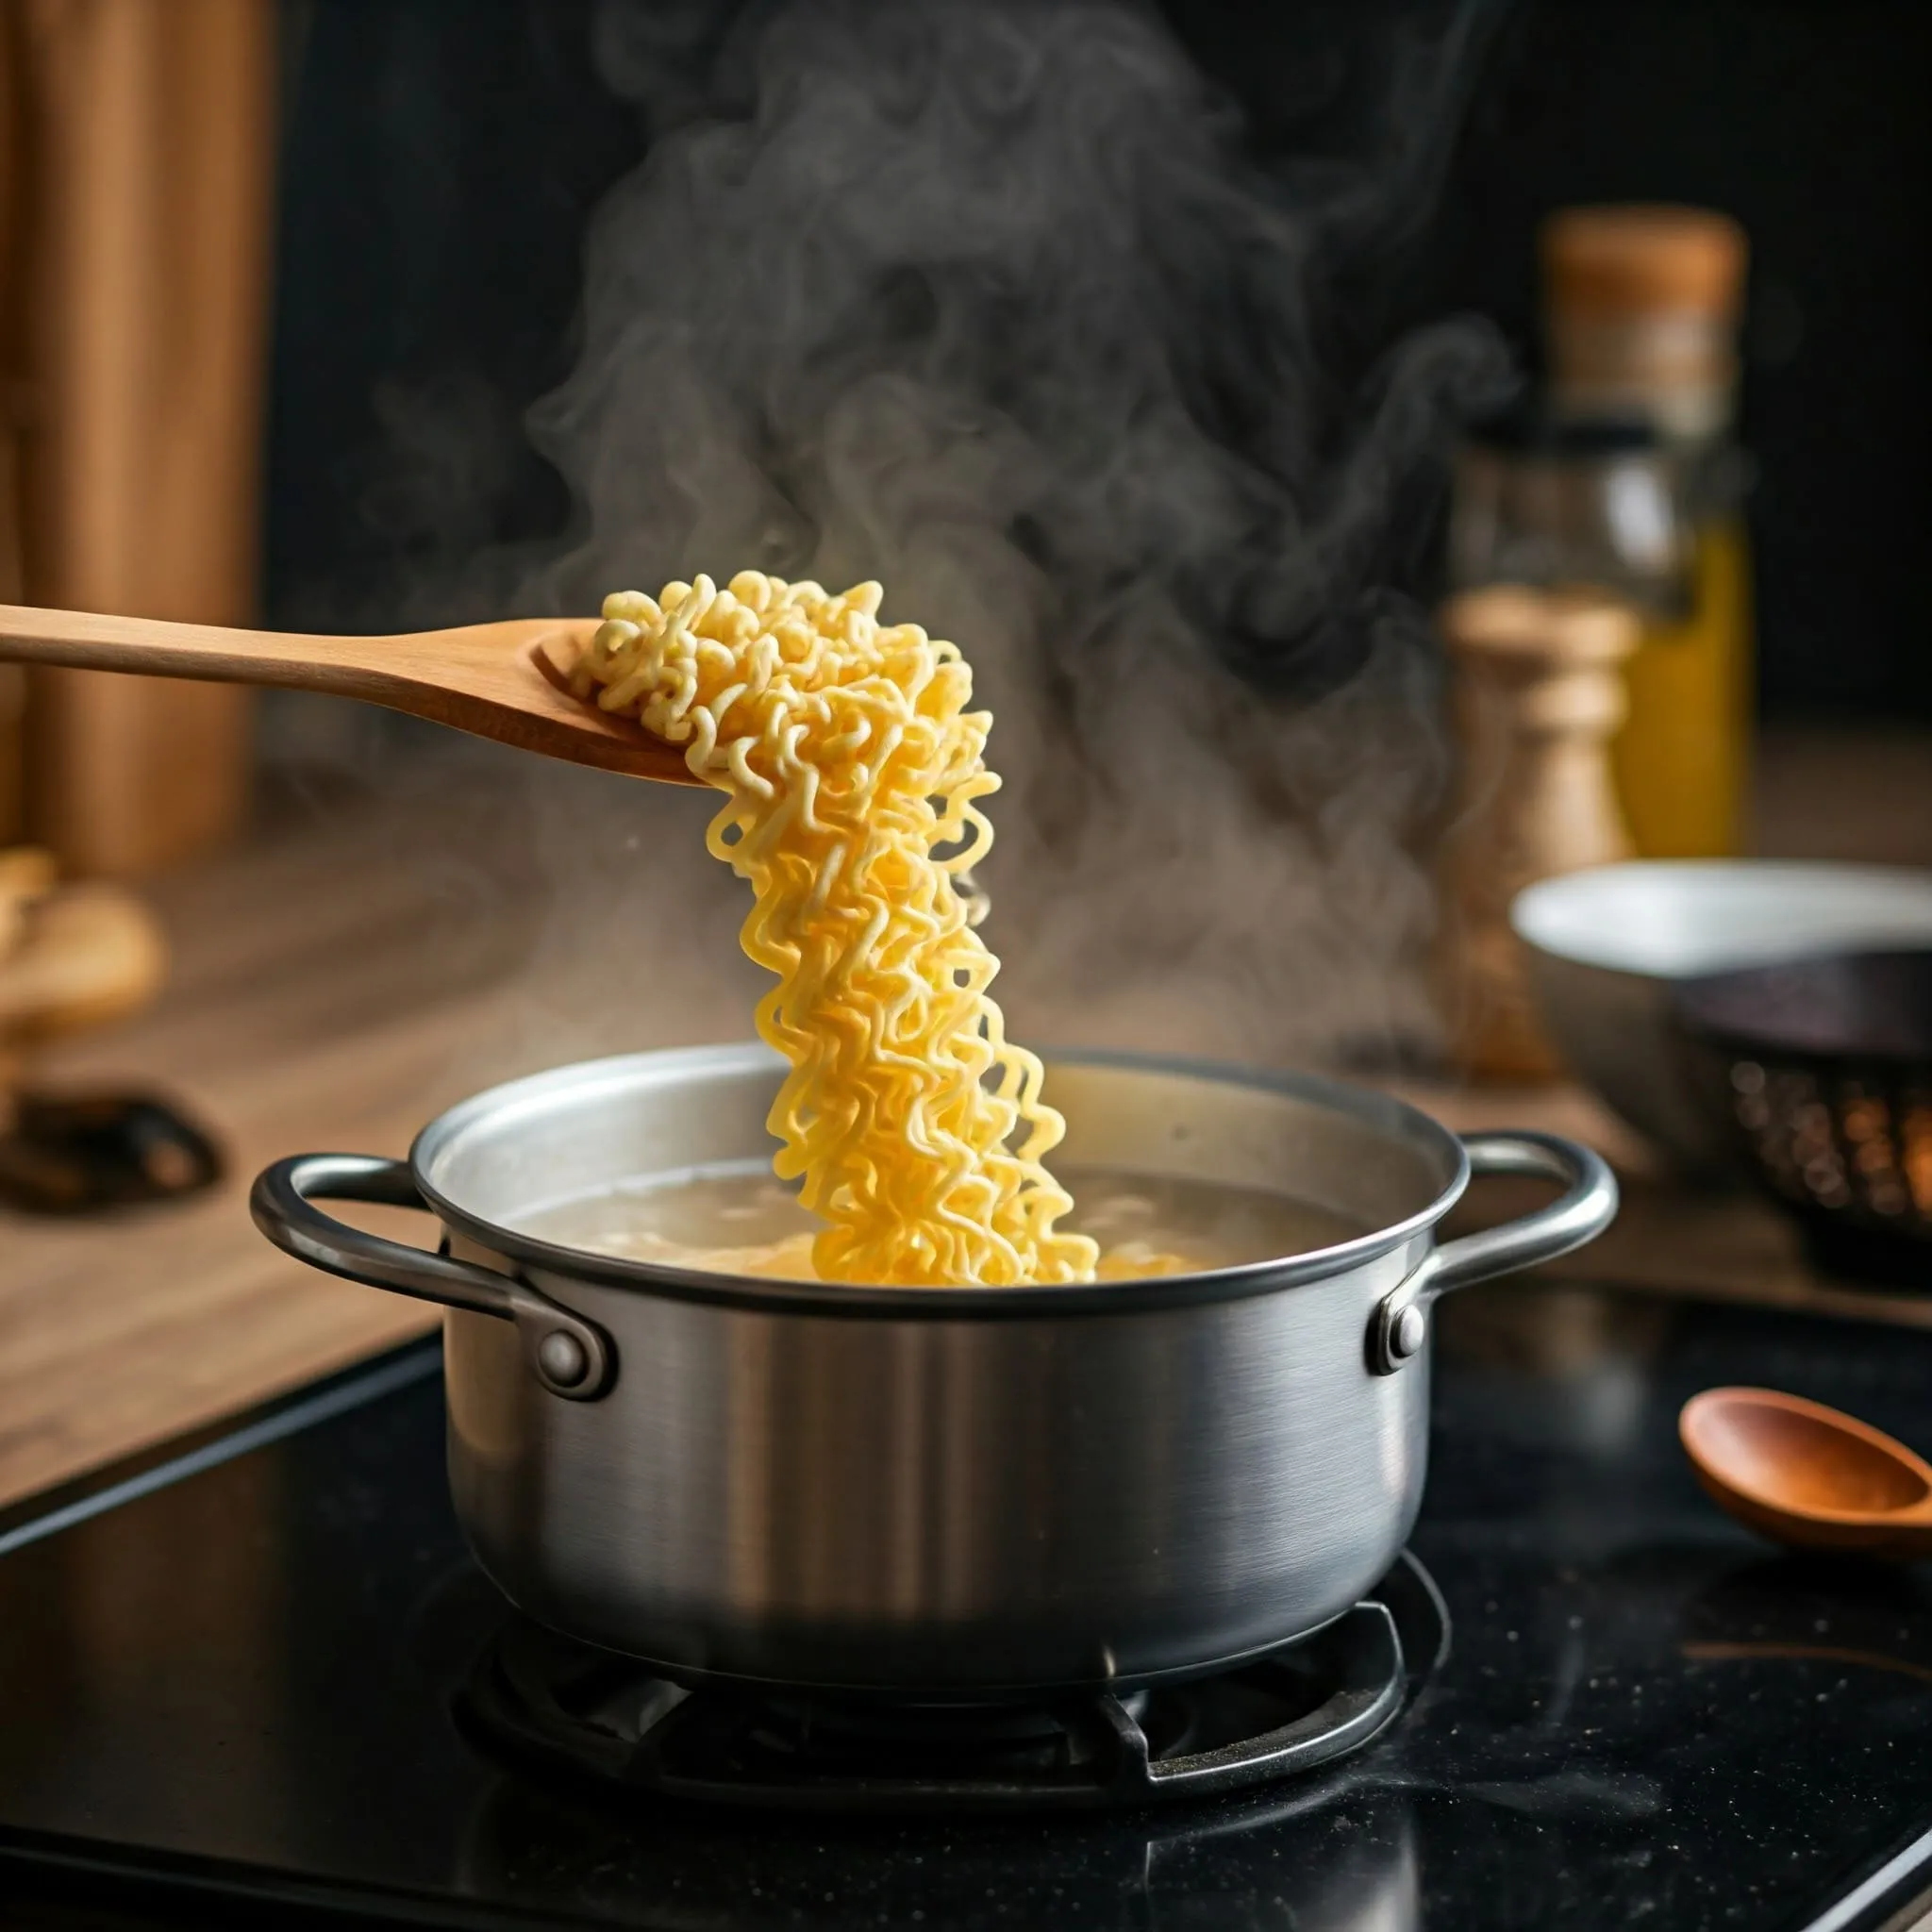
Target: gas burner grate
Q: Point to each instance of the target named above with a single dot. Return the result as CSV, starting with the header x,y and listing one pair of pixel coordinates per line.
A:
x,y
585,1712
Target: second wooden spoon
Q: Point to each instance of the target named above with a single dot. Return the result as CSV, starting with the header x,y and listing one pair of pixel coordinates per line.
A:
x,y
1808,1475
498,680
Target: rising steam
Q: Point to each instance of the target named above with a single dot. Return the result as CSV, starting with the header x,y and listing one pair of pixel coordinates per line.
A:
x,y
985,299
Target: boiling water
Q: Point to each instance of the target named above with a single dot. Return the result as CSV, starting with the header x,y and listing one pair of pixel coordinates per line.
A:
x,y
745,1222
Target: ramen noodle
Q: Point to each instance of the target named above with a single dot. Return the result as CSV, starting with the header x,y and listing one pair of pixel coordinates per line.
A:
x,y
852,769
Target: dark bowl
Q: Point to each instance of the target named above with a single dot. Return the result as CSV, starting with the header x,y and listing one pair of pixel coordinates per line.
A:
x,y
1822,1069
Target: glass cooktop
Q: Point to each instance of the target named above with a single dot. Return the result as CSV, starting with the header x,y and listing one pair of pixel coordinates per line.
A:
x,y
229,1677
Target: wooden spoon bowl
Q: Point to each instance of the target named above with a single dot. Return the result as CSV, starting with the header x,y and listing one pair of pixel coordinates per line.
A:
x,y
501,680
1808,1475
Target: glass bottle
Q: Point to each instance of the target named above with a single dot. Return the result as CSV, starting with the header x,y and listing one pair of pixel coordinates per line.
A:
x,y
1642,309
1568,504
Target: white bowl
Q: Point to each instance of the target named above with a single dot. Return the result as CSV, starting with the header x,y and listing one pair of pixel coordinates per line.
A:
x,y
1603,947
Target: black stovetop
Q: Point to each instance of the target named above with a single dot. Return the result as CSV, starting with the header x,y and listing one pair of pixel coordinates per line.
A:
x,y
227,1678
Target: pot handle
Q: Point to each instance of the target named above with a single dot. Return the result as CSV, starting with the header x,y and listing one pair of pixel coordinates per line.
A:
x,y
1400,1324
569,1356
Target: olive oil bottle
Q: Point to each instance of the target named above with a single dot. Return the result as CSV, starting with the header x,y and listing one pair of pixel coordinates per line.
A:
x,y
1641,307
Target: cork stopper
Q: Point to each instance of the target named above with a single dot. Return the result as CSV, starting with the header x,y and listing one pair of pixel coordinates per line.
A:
x,y
1643,259
1643,305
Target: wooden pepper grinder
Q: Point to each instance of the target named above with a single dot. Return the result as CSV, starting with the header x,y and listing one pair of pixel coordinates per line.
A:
x,y
1538,696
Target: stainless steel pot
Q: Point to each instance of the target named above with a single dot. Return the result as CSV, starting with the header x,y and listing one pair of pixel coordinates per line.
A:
x,y
949,1493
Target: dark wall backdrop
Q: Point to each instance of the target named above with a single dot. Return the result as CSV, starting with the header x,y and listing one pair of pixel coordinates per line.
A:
x,y
442,156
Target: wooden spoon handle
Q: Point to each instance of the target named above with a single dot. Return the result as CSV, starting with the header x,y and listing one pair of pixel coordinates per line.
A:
x,y
92,640
484,679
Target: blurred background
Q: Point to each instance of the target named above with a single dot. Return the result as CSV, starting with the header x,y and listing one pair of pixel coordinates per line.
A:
x,y
277,320
1207,371
438,172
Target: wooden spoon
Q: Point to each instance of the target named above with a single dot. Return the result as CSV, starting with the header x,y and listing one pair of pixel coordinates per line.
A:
x,y
505,681
1808,1475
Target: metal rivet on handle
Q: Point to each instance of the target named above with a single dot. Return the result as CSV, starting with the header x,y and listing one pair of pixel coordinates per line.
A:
x,y
561,1359
1409,1331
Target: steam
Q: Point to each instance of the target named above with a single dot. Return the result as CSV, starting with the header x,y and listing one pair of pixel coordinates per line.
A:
x,y
985,299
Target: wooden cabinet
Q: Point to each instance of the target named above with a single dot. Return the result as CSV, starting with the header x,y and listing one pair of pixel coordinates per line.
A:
x,y
136,142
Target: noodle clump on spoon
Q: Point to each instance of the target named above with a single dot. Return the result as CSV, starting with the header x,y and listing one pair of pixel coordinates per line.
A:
x,y
850,766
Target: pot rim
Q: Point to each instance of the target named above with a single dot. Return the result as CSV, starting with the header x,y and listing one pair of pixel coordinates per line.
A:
x,y
1382,1112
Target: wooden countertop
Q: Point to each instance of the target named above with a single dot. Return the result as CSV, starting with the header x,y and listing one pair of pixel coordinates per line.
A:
x,y
365,960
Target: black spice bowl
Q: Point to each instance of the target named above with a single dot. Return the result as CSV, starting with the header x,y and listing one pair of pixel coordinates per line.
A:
x,y
1823,1068
81,1153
